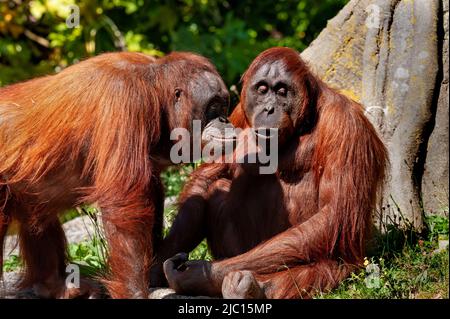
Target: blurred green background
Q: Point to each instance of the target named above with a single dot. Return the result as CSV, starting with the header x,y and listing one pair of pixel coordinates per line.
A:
x,y
35,39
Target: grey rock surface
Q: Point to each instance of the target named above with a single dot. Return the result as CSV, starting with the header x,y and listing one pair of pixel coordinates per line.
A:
x,y
386,54
8,288
435,185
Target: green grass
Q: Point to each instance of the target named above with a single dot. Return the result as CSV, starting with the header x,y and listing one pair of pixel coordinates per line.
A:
x,y
407,263
416,272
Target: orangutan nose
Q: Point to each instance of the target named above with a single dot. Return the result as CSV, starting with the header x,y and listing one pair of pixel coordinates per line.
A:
x,y
269,109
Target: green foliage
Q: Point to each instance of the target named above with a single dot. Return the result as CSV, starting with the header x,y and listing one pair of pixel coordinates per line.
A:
x,y
69,215
201,252
12,263
174,178
35,39
437,227
89,255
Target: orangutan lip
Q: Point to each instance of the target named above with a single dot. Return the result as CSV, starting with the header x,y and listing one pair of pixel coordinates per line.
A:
x,y
264,136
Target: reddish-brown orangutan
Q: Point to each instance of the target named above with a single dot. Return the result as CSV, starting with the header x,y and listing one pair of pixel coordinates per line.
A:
x,y
295,232
98,132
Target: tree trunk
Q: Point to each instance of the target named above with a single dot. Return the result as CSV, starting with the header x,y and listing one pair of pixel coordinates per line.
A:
x,y
392,56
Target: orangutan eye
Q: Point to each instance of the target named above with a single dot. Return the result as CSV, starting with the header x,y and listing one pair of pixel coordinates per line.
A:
x,y
282,91
177,95
262,89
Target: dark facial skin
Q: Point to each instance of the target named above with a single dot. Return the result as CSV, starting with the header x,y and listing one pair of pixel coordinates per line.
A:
x,y
270,99
210,98
200,96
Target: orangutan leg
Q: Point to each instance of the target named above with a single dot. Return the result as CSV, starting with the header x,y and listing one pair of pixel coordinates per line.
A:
x,y
130,253
298,282
44,254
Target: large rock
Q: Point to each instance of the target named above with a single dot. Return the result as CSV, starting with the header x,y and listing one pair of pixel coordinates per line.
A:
x,y
385,54
435,190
